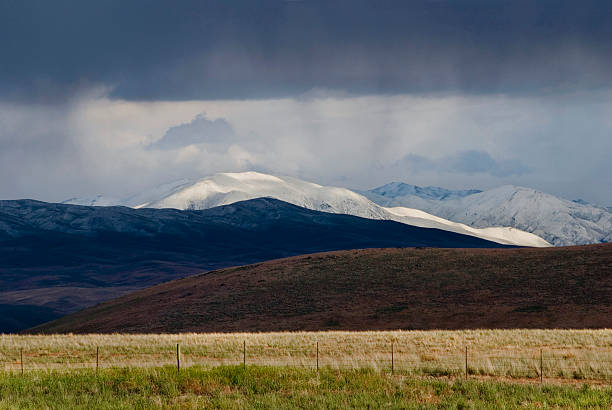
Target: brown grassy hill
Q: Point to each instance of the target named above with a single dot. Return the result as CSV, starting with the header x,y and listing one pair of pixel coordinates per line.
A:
x,y
410,288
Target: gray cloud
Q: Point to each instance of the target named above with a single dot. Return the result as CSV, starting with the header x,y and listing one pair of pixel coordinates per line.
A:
x,y
103,97
35,149
193,49
200,130
96,145
465,162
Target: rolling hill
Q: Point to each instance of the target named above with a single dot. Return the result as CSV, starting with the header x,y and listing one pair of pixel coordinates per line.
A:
x,y
59,258
373,289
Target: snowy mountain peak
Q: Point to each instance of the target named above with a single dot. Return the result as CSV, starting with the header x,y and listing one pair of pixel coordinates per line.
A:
x,y
429,192
227,188
559,221
251,176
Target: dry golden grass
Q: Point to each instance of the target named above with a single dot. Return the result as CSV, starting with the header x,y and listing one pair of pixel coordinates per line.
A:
x,y
575,354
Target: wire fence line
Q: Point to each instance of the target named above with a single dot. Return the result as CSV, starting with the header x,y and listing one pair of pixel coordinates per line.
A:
x,y
542,364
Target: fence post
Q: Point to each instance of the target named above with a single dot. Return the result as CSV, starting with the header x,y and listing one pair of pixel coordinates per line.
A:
x,y
178,357
466,363
541,367
317,356
244,353
21,359
392,360
97,358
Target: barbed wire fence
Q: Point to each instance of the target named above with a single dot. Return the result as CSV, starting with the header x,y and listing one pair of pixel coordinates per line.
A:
x,y
539,365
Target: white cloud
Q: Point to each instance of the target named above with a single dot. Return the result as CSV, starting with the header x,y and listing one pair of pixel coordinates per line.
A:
x,y
200,130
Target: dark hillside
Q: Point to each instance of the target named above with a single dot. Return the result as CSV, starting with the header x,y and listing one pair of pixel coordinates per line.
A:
x,y
65,257
374,289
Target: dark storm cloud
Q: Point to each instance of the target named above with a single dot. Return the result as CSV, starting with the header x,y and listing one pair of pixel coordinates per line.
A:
x,y
251,49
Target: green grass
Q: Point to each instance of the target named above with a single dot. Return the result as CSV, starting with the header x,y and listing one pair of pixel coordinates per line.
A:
x,y
277,387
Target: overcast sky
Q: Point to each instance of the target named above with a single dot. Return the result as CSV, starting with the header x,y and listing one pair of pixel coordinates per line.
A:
x,y
112,97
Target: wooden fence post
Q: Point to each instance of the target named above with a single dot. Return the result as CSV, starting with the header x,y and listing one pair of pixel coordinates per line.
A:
x,y
244,353
178,357
317,356
21,359
466,363
392,360
97,358
541,367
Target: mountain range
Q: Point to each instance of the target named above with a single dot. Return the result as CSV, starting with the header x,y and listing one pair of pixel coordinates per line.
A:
x,y
59,258
503,214
227,188
559,221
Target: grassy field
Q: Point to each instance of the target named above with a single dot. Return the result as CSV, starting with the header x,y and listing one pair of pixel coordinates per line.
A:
x,y
567,354
278,387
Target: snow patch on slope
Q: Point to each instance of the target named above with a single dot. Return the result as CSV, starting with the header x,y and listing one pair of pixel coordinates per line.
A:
x,y
500,234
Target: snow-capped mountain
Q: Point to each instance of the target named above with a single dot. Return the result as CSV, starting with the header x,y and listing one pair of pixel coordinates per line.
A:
x,y
559,221
419,197
134,201
98,200
152,195
397,189
227,188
